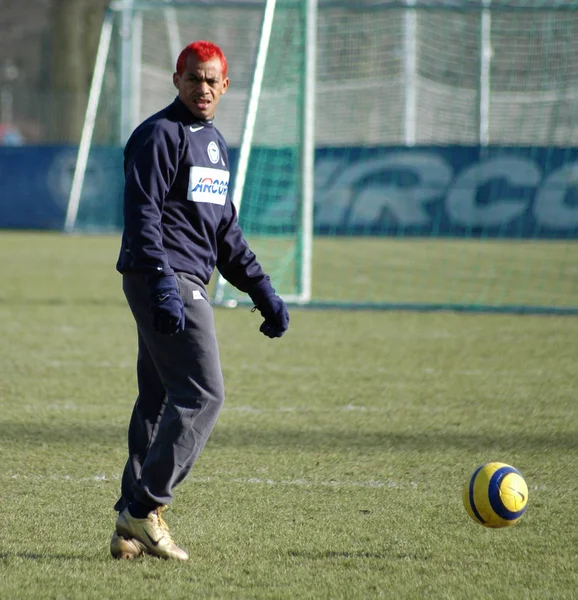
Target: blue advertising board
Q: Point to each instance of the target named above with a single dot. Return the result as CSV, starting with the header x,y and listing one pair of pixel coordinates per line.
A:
x,y
35,183
427,191
440,191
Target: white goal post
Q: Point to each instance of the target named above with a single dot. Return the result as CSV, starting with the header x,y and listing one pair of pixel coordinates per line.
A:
x,y
307,147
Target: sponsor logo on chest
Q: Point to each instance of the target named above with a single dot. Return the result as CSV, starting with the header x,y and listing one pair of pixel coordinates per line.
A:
x,y
208,185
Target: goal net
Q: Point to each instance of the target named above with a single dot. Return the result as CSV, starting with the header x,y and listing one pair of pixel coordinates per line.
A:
x,y
446,144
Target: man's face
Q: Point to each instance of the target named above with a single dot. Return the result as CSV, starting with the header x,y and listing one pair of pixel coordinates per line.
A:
x,y
201,86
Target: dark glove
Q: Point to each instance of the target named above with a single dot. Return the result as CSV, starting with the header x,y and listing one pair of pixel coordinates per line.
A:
x,y
273,310
166,305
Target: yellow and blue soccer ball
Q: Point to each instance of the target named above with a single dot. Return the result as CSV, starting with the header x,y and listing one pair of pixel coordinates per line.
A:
x,y
496,495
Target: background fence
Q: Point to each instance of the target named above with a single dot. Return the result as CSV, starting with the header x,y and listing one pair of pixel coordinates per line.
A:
x,y
445,72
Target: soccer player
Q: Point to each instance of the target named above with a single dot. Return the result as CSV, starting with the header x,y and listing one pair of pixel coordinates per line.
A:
x,y
179,225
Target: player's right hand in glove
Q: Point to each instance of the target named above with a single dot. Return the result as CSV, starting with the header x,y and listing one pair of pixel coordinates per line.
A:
x,y
272,309
166,305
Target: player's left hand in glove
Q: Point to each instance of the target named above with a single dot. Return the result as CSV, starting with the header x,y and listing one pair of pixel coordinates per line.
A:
x,y
166,305
273,310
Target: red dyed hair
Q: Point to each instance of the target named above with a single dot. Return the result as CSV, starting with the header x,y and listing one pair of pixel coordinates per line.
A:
x,y
204,51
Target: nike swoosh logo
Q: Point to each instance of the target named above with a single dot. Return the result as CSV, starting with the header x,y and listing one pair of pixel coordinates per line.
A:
x,y
153,542
195,129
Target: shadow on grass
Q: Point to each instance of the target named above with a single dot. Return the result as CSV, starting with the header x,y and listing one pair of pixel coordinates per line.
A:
x,y
63,301
391,441
83,435
46,556
333,555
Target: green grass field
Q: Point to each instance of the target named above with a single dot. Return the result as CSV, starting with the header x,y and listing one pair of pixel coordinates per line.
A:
x,y
334,472
470,273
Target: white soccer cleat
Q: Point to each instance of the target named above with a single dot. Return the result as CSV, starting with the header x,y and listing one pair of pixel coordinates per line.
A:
x,y
152,532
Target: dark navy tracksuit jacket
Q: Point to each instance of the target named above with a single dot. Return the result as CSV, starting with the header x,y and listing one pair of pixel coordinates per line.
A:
x,y
178,214
179,218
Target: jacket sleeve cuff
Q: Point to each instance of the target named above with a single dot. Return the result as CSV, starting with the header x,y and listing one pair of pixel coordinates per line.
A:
x,y
261,291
